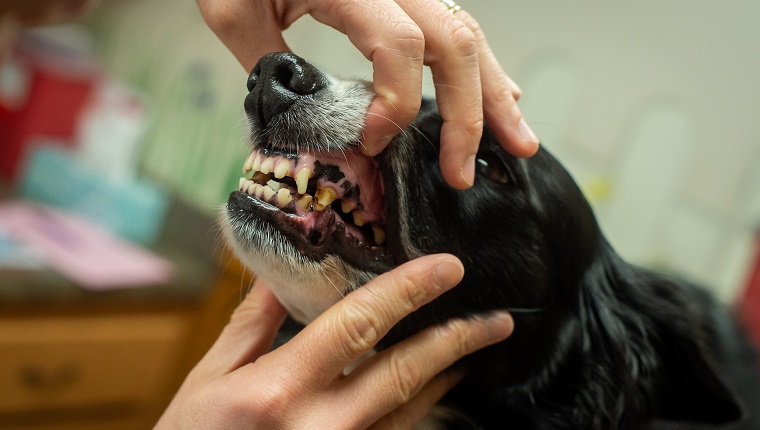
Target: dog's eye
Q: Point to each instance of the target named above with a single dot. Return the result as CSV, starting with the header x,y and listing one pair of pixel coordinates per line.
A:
x,y
491,167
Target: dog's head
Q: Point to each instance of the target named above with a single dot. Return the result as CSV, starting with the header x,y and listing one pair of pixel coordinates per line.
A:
x,y
316,218
315,214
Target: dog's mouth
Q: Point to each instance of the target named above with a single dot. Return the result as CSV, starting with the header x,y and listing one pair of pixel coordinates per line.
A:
x,y
322,202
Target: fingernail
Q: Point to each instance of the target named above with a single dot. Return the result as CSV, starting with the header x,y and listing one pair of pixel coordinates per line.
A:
x,y
500,325
448,273
468,171
527,134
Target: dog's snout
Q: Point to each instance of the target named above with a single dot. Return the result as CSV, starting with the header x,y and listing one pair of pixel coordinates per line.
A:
x,y
278,81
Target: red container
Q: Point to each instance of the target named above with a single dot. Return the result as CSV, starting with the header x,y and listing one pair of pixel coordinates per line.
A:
x,y
53,83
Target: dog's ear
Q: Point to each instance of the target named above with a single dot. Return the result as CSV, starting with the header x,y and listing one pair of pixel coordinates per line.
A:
x,y
693,389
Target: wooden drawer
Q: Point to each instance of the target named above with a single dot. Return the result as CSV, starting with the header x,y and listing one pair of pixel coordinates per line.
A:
x,y
60,364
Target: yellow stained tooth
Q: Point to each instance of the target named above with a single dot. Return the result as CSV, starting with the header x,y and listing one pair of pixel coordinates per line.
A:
x,y
283,196
304,202
258,190
379,234
275,185
325,196
268,192
241,184
302,179
359,218
256,162
267,165
347,205
248,164
282,169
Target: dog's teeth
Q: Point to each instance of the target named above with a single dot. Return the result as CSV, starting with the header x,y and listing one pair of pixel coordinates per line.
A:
x,y
379,234
256,165
302,179
275,185
284,197
325,196
258,190
268,192
248,166
348,205
241,184
260,177
267,165
304,202
359,218
282,169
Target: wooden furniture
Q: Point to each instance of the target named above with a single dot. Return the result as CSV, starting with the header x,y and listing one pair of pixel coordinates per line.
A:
x,y
72,359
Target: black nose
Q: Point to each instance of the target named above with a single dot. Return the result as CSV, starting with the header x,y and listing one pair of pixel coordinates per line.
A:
x,y
277,81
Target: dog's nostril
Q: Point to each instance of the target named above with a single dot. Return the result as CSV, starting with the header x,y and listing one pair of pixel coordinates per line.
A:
x,y
253,78
278,81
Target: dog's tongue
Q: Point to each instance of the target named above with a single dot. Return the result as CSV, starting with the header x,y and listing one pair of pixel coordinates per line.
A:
x,y
357,169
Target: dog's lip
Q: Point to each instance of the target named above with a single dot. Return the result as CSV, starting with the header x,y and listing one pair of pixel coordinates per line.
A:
x,y
314,235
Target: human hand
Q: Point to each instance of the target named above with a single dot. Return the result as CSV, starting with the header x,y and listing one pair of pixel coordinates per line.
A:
x,y
302,384
398,37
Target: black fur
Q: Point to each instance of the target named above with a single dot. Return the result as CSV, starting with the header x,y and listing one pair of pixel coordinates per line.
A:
x,y
598,343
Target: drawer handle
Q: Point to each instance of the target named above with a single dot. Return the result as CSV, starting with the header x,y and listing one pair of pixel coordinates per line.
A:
x,y
39,378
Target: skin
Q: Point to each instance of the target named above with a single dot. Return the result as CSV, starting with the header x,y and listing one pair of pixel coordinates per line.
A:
x,y
238,384
399,37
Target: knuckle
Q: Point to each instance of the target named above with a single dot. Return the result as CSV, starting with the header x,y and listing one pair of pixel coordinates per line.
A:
x,y
269,403
359,331
463,40
501,92
459,335
472,24
405,377
473,127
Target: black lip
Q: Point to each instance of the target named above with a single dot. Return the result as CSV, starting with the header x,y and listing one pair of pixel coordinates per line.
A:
x,y
328,236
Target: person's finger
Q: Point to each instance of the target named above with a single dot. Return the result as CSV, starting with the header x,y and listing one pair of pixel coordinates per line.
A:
x,y
404,369
408,415
353,326
451,51
500,96
249,334
385,35
249,29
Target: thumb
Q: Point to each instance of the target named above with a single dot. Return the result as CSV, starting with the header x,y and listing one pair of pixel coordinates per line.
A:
x,y
249,334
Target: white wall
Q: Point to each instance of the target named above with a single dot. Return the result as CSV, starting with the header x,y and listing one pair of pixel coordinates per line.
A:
x,y
652,105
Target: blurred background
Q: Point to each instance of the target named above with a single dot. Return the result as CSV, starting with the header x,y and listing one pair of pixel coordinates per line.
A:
x,y
121,135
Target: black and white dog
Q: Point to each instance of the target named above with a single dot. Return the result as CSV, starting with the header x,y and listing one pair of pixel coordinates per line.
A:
x,y
599,343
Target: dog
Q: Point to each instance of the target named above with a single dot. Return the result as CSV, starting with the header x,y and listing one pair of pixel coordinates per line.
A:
x,y
599,343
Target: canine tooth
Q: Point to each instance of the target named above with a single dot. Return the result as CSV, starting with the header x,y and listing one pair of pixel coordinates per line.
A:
x,y
275,185
268,192
267,165
302,179
359,218
248,163
256,162
241,184
283,196
304,202
379,234
282,169
348,205
325,196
